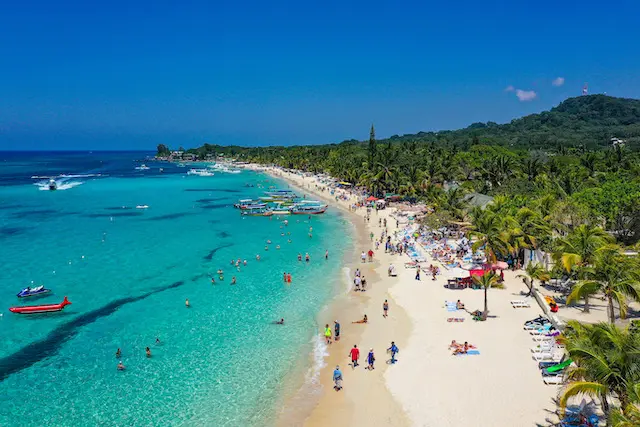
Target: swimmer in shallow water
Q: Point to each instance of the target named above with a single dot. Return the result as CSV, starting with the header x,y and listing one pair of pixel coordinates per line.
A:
x,y
186,303
279,322
233,280
257,257
278,247
121,366
118,353
148,351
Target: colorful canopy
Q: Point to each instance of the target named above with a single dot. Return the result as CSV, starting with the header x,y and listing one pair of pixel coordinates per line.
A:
x,y
371,199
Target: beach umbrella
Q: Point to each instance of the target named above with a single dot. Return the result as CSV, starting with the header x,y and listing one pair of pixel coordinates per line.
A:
x,y
458,272
371,199
500,265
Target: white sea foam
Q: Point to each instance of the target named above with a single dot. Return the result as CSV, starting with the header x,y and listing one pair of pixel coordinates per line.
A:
x,y
44,186
319,353
347,275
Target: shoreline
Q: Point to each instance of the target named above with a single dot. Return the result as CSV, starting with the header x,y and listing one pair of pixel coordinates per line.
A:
x,y
361,388
427,385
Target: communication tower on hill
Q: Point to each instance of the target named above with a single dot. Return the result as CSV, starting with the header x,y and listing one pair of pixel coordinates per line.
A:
x,y
585,89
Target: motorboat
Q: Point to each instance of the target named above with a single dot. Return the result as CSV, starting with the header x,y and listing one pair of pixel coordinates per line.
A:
x,y
142,207
32,292
308,210
143,167
35,309
257,212
200,172
53,185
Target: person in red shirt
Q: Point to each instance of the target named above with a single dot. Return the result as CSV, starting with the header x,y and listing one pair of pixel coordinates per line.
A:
x,y
355,355
370,255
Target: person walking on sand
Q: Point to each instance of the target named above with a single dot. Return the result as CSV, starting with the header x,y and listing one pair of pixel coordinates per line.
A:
x,y
393,350
371,236
370,255
327,333
385,308
355,355
337,379
336,330
418,273
371,358
363,257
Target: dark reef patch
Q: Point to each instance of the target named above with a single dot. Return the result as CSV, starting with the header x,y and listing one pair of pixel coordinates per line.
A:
x,y
168,216
49,346
212,252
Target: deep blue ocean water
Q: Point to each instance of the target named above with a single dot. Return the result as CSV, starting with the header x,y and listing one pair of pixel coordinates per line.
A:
x,y
128,271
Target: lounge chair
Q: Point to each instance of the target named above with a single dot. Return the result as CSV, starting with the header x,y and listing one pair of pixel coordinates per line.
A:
x,y
520,304
547,356
553,380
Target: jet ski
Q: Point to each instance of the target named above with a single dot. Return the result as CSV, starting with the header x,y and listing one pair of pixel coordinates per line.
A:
x,y
53,185
34,309
32,292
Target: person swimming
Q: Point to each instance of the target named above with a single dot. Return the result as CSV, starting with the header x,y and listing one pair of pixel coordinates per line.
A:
x,y
363,320
148,351
121,366
306,257
186,303
233,280
299,257
118,353
278,247
157,340
279,322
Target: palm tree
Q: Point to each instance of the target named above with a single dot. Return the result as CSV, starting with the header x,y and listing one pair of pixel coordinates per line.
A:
x,y
487,281
488,229
608,364
533,272
613,274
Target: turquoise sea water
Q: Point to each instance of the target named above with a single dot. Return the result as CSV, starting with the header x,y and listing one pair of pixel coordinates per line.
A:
x,y
128,272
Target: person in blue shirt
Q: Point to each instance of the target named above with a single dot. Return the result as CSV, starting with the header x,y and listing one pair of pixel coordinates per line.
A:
x,y
393,349
337,378
336,328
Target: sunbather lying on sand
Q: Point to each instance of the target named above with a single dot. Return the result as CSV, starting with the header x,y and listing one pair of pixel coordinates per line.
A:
x,y
364,320
462,349
459,305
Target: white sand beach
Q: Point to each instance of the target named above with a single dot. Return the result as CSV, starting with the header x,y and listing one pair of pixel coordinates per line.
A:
x,y
501,386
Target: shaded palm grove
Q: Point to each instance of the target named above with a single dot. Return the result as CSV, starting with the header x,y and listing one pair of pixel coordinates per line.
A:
x,y
565,182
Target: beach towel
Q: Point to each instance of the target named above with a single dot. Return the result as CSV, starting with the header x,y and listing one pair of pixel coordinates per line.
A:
x,y
470,353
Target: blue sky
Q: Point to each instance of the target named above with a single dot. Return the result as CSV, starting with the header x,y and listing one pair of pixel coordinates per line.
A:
x,y
113,75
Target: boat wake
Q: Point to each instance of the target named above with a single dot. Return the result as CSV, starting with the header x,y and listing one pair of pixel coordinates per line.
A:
x,y
44,185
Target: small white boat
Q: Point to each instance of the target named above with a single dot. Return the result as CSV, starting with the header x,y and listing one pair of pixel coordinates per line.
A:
x,y
200,172
142,207
143,167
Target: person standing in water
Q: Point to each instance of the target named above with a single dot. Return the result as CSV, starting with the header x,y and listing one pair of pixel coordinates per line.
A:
x,y
148,351
336,329
233,280
327,333
121,366
186,303
118,353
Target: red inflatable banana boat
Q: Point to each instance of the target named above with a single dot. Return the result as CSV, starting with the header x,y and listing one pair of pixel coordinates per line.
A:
x,y
33,309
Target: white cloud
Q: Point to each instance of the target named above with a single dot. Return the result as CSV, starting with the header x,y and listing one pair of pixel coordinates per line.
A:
x,y
559,81
509,88
526,95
